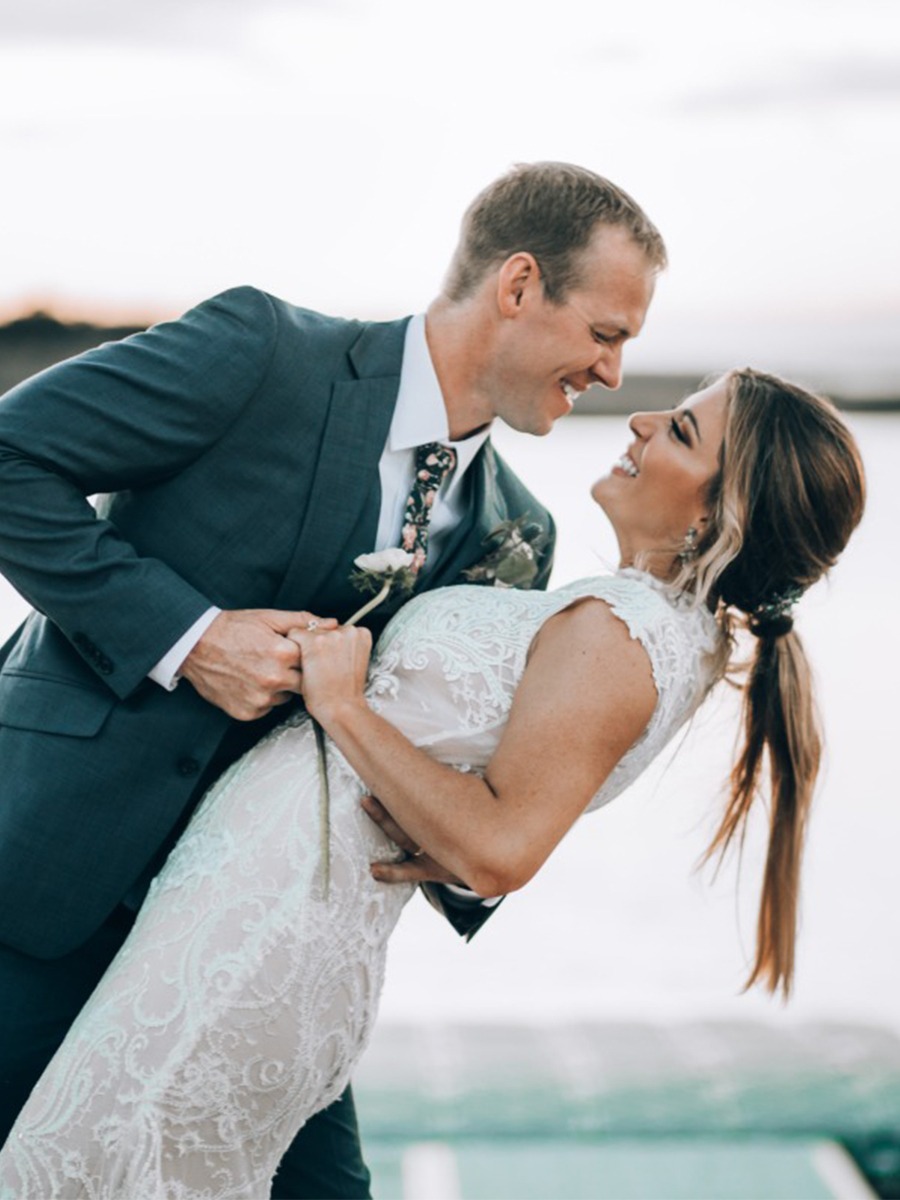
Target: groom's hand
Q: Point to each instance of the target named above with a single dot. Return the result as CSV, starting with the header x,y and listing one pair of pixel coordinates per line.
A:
x,y
246,664
417,867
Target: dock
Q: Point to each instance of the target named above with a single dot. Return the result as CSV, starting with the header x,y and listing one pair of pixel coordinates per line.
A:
x,y
700,1111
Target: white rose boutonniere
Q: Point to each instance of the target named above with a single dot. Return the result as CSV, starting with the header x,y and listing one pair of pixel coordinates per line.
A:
x,y
512,560
381,573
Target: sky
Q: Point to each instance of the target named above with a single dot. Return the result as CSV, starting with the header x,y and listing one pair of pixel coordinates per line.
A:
x,y
326,149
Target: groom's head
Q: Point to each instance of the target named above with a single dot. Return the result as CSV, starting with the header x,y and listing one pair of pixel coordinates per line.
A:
x,y
551,210
553,273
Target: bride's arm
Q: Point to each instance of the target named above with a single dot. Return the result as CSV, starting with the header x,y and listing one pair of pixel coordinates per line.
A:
x,y
585,697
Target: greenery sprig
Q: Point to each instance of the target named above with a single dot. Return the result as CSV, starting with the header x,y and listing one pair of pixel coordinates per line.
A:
x,y
380,573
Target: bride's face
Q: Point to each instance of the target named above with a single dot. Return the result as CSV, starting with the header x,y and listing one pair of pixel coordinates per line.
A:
x,y
657,490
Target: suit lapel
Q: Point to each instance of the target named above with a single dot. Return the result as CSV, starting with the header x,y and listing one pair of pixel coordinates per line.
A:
x,y
341,517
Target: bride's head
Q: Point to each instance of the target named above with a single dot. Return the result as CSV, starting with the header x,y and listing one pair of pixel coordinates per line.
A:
x,y
657,494
743,497
744,494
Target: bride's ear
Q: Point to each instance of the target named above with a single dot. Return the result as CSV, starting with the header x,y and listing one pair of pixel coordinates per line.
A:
x,y
701,521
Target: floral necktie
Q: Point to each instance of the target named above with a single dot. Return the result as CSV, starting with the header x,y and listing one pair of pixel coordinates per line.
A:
x,y
433,463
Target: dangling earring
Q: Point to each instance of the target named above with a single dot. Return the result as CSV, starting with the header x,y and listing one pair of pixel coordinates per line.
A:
x,y
689,550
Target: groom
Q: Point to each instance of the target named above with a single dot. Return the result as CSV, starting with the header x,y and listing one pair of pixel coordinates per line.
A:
x,y
243,456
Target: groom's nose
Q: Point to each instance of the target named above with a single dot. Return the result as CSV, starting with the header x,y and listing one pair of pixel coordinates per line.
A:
x,y
607,369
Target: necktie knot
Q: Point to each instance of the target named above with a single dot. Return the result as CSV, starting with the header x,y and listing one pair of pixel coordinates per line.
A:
x,y
434,462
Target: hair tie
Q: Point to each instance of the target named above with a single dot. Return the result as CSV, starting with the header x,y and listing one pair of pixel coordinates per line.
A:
x,y
774,617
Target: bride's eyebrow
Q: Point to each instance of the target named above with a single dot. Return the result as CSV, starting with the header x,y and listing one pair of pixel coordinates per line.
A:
x,y
689,416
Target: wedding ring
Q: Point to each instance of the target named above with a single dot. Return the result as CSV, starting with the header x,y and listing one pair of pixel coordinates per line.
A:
x,y
314,624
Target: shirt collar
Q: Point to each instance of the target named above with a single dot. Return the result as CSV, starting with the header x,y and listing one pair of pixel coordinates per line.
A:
x,y
420,415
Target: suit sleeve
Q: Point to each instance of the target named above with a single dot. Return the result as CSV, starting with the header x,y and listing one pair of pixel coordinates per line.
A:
x,y
465,915
124,416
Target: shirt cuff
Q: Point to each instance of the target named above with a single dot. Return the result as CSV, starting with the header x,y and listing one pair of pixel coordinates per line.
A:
x,y
465,893
165,673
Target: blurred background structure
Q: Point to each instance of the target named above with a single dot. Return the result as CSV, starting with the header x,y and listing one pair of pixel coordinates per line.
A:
x,y
592,1041
632,1111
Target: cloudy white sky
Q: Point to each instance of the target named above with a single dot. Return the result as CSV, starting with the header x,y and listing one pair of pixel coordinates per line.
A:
x,y
325,149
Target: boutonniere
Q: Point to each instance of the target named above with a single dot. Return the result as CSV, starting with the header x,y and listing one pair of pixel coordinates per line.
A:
x,y
381,573
512,558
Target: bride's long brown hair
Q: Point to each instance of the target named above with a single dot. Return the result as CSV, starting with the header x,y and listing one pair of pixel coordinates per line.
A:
x,y
789,493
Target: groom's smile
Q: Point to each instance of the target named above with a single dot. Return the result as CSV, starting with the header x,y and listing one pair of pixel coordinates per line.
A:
x,y
570,392
555,349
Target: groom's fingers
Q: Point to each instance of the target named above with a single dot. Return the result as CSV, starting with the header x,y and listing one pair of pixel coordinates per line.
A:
x,y
380,815
421,869
244,663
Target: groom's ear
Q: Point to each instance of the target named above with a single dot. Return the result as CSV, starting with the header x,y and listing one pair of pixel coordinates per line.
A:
x,y
517,280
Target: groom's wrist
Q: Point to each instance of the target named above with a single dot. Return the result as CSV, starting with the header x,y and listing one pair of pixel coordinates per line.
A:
x,y
167,671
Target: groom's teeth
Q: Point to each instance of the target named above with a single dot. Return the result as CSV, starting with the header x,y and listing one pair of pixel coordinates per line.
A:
x,y
625,464
572,393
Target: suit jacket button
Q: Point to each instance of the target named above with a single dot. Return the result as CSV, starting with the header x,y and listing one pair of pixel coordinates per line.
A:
x,y
187,766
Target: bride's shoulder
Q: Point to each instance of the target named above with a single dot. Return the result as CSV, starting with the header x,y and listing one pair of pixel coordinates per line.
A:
x,y
653,611
628,590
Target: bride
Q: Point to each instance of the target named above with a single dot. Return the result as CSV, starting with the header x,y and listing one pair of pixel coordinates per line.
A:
x,y
486,722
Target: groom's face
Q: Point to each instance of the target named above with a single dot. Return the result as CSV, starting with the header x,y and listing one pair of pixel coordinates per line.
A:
x,y
551,352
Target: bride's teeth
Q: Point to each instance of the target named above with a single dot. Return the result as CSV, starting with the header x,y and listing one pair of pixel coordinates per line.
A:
x,y
625,464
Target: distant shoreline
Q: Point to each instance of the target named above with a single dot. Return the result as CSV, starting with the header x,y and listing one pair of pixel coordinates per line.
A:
x,y
658,391
32,343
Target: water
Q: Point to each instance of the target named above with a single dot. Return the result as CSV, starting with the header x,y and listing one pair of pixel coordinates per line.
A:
x,y
617,925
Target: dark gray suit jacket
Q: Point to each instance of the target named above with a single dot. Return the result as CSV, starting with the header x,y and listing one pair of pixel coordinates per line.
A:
x,y
236,451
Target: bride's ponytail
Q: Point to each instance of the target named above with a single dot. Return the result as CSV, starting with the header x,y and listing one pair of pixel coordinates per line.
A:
x,y
788,496
780,725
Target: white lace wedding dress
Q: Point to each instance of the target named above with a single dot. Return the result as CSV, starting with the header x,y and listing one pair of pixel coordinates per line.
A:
x,y
244,996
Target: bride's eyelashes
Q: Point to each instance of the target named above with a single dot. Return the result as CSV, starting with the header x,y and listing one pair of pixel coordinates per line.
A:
x,y
677,430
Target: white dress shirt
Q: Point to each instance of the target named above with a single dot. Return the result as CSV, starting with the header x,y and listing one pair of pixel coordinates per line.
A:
x,y
420,416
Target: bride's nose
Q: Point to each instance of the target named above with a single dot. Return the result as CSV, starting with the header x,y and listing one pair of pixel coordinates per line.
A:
x,y
640,424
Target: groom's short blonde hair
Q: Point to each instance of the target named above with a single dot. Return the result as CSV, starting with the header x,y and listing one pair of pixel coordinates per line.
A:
x,y
550,210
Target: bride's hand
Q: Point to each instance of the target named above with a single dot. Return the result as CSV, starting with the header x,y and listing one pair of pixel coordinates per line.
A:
x,y
334,665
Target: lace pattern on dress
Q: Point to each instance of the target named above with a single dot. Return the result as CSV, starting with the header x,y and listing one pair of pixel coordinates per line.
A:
x,y
478,639
243,998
